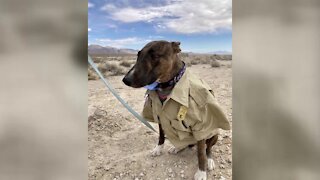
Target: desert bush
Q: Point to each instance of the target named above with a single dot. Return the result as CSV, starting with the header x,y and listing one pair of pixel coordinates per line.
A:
x,y
106,68
214,57
205,60
114,69
118,71
195,61
215,63
188,64
92,75
102,67
126,63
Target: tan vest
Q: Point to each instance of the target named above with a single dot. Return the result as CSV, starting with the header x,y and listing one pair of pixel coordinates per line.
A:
x,y
189,114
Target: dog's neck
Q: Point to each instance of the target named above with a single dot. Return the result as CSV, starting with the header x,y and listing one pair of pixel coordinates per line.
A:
x,y
165,88
175,75
178,65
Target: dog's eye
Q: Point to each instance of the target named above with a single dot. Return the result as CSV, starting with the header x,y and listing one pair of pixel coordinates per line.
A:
x,y
156,56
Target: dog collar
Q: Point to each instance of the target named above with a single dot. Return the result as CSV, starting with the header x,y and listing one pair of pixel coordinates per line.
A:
x,y
174,80
152,86
159,86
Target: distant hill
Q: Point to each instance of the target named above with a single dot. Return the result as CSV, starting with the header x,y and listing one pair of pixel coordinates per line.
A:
x,y
97,49
220,52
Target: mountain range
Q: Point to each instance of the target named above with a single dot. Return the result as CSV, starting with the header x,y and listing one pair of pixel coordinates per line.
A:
x,y
97,49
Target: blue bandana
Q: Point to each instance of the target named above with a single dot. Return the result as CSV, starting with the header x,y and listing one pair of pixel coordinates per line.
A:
x,y
152,86
156,85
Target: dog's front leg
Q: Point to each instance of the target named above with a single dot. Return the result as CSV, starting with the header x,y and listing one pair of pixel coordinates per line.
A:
x,y
201,174
158,149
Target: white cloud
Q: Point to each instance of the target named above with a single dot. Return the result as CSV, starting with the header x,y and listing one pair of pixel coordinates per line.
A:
x,y
90,5
121,42
112,26
156,37
89,29
186,17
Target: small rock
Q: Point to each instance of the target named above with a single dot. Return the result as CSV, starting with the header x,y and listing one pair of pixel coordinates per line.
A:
x,y
222,178
182,171
182,175
221,166
136,178
229,160
141,174
170,170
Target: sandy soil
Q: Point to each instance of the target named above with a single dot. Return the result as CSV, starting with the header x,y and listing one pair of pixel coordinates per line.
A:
x,y
119,145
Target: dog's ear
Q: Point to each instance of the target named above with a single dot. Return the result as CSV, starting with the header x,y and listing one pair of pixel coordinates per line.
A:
x,y
176,47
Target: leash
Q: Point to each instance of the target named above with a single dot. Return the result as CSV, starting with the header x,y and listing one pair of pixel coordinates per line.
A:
x,y
140,118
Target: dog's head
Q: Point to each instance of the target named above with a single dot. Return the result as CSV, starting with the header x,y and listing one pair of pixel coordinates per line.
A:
x,y
154,63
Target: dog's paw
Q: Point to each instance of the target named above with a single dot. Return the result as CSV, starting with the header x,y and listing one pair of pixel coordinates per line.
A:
x,y
211,164
200,175
157,150
173,150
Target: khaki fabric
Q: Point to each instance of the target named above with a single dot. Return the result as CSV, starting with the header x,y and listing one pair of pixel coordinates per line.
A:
x,y
203,116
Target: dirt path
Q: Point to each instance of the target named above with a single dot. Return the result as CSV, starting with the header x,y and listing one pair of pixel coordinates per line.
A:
x,y
119,146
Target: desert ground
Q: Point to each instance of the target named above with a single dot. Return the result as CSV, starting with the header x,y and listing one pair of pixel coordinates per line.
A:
x,y
119,145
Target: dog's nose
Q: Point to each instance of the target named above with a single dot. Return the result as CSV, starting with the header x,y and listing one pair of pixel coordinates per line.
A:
x,y
126,81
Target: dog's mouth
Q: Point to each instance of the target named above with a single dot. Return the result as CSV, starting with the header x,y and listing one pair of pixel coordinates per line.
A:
x,y
139,82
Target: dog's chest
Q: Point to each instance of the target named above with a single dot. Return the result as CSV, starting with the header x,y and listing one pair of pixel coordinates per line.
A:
x,y
163,94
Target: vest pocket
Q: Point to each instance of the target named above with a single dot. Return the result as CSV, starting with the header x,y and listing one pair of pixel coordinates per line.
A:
x,y
181,128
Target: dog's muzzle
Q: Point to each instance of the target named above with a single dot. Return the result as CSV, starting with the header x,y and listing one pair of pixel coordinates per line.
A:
x,y
127,81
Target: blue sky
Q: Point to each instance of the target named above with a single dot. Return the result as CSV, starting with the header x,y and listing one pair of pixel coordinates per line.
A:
x,y
200,25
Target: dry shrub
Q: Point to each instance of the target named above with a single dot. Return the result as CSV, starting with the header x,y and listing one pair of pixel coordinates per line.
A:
x,y
113,68
92,75
108,68
126,63
226,57
214,57
102,68
200,59
188,64
222,57
215,64
205,60
195,61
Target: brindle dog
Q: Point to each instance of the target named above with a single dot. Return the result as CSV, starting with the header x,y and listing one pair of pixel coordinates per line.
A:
x,y
158,61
